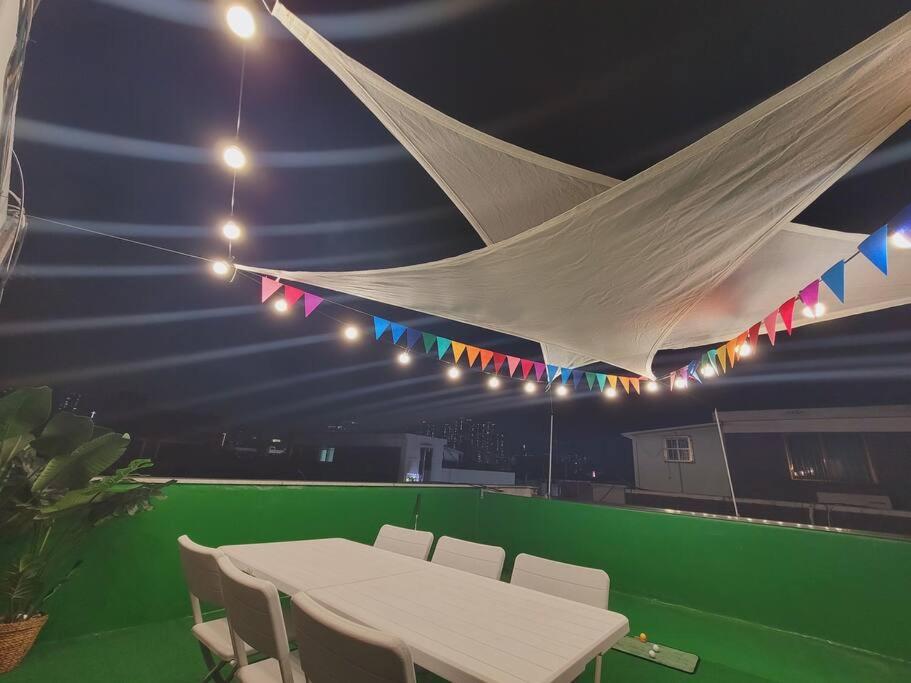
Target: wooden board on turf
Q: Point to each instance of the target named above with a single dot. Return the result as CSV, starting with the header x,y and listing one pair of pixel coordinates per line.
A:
x,y
668,656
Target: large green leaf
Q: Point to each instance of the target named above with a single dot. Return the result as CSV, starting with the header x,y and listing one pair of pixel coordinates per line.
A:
x,y
87,461
24,410
63,434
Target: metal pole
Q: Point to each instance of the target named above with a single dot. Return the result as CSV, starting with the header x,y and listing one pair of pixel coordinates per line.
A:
x,y
727,467
550,457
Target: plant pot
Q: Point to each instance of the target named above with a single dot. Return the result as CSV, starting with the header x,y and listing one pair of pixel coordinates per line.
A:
x,y
16,639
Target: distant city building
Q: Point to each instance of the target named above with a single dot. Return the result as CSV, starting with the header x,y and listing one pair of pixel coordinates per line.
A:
x,y
479,440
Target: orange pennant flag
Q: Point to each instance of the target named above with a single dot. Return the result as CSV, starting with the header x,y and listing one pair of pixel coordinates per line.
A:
x,y
732,351
722,357
635,382
473,352
457,349
625,382
613,381
486,357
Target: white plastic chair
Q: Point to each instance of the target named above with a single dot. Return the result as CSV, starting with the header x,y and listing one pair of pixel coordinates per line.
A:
x,y
333,649
408,542
570,581
255,615
477,558
203,580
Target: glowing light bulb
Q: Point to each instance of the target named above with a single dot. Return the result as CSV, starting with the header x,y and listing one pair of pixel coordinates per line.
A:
x,y
651,386
901,238
241,21
610,392
680,383
454,372
530,387
404,358
234,157
562,390
221,268
280,305
707,371
231,230
494,382
351,333
818,310
745,349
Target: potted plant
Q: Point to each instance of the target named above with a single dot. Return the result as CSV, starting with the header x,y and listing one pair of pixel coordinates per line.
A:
x,y
51,496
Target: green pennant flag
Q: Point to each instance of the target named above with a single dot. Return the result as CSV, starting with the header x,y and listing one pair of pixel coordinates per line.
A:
x,y
602,378
590,378
442,345
429,341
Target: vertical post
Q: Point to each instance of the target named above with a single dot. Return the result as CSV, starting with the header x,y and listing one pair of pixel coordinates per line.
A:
x,y
727,467
550,457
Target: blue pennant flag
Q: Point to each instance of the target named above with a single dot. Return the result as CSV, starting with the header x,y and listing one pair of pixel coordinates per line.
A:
x,y
412,337
834,278
380,326
713,359
552,372
577,377
692,370
397,332
442,345
566,373
876,248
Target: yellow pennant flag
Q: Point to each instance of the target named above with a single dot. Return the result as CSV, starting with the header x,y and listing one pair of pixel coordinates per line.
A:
x,y
635,382
732,351
722,358
625,382
457,349
613,381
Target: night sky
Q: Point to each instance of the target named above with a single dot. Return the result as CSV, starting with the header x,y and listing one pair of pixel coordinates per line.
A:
x,y
609,86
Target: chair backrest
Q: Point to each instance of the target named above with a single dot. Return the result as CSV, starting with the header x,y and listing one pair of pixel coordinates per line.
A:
x,y
581,584
477,558
404,541
332,648
255,615
200,570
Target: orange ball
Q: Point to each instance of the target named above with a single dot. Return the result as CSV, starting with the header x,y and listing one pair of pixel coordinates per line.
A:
x,y
643,637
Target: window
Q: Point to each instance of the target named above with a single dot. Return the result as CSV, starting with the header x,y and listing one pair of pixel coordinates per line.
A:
x,y
678,449
327,454
829,457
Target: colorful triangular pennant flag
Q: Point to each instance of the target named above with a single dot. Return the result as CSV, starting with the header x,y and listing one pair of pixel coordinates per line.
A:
x,y
498,360
693,371
458,349
876,249
527,365
635,382
590,379
613,381
722,353
486,357
539,370
269,287
834,278
565,374
292,295
512,362
311,303
732,352
577,377
552,372
787,314
472,353
712,355
380,326
397,332
625,382
771,325
442,346
411,337
429,341
810,294
602,378
753,335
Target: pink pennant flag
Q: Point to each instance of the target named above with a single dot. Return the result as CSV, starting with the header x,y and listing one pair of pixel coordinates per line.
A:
x,y
527,365
753,335
292,294
269,287
311,301
498,360
771,325
810,294
787,314
513,363
539,370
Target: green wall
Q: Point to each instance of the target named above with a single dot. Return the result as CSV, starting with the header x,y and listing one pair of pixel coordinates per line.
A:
x,y
132,575
846,588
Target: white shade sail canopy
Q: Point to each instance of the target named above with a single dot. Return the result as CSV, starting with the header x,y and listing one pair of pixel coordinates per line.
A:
x,y
693,250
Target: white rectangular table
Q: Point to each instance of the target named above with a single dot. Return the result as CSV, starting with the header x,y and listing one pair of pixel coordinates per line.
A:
x,y
459,626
